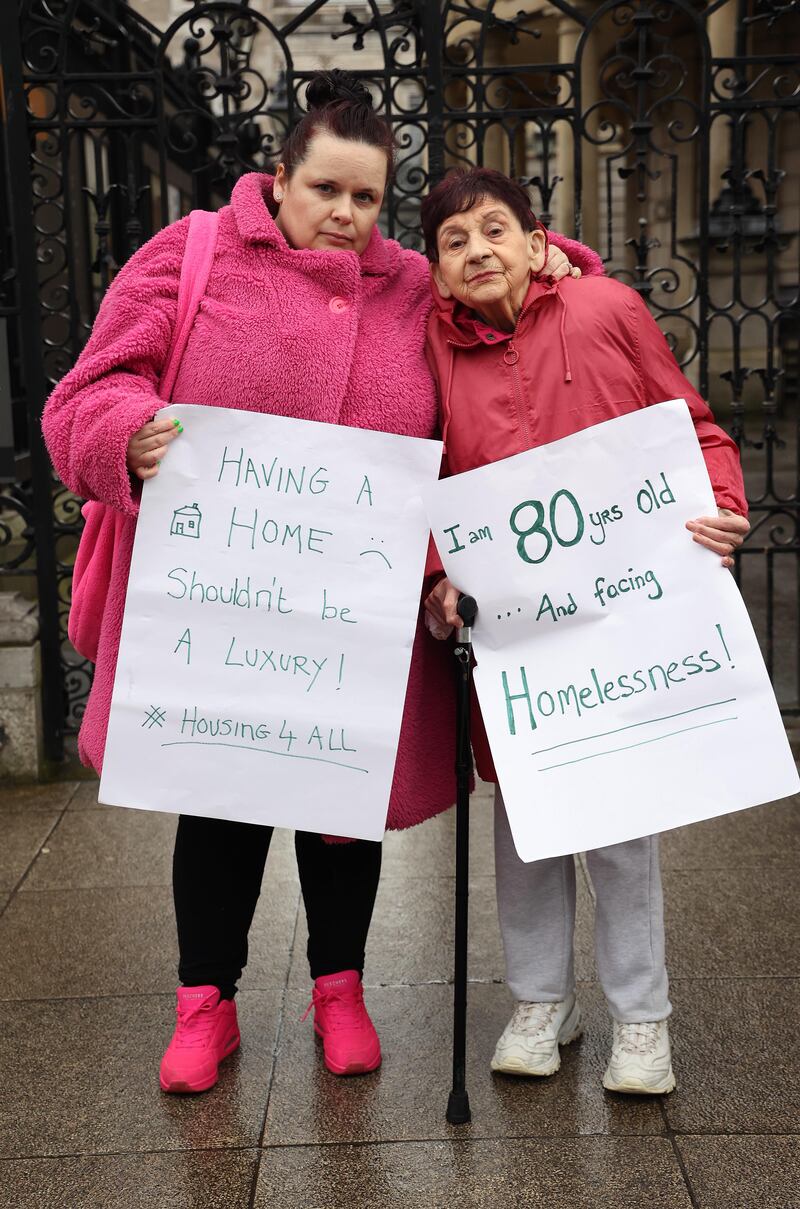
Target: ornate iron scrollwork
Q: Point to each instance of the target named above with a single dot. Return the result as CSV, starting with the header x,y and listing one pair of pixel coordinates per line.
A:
x,y
655,128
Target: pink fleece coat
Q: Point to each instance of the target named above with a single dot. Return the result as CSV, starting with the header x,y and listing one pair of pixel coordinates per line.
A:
x,y
317,335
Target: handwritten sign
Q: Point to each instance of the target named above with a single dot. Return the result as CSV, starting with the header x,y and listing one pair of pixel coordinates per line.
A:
x,y
618,674
269,621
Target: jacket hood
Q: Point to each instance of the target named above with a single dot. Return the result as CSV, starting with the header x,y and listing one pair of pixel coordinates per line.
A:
x,y
254,210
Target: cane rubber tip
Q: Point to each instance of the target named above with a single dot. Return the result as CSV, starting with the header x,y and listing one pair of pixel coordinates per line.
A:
x,y
458,1110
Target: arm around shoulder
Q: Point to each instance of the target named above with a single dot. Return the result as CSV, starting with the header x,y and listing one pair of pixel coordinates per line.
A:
x,y
112,390
579,255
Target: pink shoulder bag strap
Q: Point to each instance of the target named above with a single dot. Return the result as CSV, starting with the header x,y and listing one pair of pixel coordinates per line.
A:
x,y
94,561
198,256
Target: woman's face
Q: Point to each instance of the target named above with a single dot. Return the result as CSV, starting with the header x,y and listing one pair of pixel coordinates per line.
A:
x,y
486,260
332,200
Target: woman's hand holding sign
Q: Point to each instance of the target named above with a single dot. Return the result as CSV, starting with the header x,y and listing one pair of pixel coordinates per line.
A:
x,y
441,607
723,533
147,447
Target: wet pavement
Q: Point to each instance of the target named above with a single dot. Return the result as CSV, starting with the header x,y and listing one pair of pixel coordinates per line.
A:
x,y
87,960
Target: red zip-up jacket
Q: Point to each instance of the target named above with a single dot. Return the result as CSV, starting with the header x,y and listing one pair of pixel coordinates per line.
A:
x,y
582,352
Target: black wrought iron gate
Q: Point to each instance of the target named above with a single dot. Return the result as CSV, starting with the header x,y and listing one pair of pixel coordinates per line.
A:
x,y
664,132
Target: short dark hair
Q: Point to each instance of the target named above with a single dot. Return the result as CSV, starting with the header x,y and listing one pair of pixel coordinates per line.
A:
x,y
462,189
341,105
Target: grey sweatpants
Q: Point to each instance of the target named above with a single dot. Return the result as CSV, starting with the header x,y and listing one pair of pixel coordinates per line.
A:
x,y
536,904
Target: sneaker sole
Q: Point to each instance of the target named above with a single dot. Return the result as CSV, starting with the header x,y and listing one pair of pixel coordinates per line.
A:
x,y
184,1087
516,1066
636,1087
351,1068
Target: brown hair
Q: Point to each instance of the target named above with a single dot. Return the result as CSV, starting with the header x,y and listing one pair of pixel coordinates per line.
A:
x,y
462,189
340,104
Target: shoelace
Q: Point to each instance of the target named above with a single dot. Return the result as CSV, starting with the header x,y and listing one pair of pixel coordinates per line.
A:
x,y
195,1024
533,1017
340,1007
638,1038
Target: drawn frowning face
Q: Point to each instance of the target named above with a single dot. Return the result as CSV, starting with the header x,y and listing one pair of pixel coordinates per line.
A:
x,y
380,554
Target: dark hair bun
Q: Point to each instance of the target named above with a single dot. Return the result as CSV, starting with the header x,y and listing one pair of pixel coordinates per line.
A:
x,y
328,87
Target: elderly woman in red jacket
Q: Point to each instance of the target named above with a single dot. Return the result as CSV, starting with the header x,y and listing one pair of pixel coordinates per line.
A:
x,y
522,361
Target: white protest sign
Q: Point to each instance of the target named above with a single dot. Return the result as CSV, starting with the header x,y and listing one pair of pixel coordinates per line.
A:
x,y
269,622
618,674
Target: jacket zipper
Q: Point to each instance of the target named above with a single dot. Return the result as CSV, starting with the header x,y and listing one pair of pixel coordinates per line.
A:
x,y
519,398
511,359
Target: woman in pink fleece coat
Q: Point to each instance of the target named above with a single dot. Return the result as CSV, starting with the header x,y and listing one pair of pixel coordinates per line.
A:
x,y
309,312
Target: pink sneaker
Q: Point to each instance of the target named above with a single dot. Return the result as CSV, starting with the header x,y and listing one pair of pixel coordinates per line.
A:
x,y
206,1032
349,1042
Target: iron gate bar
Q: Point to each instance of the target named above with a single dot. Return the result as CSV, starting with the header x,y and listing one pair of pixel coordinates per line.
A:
x,y
434,91
36,388
8,471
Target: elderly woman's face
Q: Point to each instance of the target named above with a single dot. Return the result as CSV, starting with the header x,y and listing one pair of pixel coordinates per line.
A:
x,y
486,260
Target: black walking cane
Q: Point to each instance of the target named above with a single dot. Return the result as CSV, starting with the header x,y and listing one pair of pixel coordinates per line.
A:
x,y
458,1110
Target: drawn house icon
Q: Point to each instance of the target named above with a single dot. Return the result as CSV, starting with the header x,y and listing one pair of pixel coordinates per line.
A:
x,y
186,521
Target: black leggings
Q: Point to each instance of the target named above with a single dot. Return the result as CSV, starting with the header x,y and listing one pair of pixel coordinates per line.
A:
x,y
216,875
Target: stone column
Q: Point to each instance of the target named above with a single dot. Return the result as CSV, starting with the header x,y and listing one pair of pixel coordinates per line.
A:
x,y
722,38
564,197
569,33
21,749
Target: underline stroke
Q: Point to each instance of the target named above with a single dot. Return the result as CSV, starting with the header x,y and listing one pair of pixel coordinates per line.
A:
x,y
612,751
267,751
632,726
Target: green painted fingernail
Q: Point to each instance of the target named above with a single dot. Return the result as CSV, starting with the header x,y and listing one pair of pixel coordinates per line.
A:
x,y
177,424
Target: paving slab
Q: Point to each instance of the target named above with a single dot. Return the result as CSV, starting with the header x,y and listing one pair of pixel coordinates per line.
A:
x,y
189,1179
407,1097
23,834
119,847
80,1076
53,797
732,923
61,943
411,936
281,860
764,836
86,797
745,1173
563,1173
428,850
734,1075
113,848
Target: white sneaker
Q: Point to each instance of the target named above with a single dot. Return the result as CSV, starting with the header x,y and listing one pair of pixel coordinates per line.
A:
x,y
530,1040
641,1061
